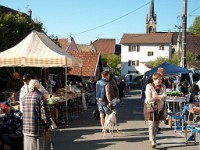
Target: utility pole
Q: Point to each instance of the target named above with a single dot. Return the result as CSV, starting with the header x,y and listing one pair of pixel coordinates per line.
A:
x,y
184,25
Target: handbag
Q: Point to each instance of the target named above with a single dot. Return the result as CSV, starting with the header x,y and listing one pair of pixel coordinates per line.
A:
x,y
151,107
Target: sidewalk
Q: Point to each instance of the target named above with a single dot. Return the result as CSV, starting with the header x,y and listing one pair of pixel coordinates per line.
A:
x,y
84,132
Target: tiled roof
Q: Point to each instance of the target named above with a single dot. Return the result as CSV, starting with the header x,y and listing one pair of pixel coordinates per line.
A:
x,y
84,47
63,43
90,61
5,10
66,45
150,38
193,64
175,37
105,46
193,44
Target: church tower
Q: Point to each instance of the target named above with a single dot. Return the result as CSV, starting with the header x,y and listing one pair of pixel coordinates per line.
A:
x,y
151,19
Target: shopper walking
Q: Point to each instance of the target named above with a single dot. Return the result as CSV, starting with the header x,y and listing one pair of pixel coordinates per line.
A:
x,y
102,101
155,97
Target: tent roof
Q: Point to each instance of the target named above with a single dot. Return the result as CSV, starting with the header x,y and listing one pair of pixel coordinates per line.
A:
x,y
169,68
37,50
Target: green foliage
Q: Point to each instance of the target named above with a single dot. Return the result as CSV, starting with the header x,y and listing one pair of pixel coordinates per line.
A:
x,y
112,61
104,59
190,56
175,58
157,62
14,28
195,28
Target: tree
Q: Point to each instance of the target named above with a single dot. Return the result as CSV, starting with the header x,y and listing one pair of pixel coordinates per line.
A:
x,y
112,61
195,28
104,59
189,57
15,27
157,62
175,58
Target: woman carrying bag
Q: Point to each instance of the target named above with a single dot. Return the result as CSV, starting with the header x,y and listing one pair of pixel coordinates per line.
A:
x,y
154,102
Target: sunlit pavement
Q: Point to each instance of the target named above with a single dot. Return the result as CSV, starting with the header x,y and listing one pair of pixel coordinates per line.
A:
x,y
84,132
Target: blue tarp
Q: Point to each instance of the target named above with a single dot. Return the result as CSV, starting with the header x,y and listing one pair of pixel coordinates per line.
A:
x,y
169,68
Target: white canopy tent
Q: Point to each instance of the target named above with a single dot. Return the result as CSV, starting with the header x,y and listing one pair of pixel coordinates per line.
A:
x,y
37,50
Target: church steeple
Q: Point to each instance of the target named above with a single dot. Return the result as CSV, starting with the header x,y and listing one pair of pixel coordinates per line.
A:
x,y
151,19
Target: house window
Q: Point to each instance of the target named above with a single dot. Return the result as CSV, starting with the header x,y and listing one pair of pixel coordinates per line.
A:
x,y
133,63
150,53
132,48
130,63
161,47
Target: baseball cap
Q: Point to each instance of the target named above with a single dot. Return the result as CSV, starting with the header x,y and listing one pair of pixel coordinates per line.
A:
x,y
3,106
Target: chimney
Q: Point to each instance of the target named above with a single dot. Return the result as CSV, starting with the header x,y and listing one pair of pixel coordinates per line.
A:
x,y
30,13
70,39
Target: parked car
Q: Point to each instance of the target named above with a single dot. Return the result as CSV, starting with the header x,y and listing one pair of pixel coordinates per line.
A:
x,y
129,79
137,81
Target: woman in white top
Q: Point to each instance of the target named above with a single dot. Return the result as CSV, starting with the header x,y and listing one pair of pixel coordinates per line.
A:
x,y
155,93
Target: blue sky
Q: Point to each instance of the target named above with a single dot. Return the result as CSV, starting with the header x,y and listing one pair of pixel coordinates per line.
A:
x,y
88,20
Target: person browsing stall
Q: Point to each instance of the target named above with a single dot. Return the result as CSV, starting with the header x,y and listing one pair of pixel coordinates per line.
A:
x,y
11,130
36,117
156,95
14,84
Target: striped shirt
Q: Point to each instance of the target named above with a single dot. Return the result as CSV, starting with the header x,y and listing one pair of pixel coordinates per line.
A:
x,y
36,114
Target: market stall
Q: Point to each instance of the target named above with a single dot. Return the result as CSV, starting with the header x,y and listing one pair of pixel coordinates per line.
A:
x,y
37,50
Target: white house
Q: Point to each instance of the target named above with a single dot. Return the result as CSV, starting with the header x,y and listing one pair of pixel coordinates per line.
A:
x,y
137,49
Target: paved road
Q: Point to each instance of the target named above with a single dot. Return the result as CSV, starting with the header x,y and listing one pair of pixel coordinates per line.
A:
x,y
84,133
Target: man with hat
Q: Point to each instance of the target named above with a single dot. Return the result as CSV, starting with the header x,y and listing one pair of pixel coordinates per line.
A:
x,y
11,130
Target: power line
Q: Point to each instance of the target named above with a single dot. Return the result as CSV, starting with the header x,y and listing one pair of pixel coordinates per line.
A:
x,y
110,21
193,11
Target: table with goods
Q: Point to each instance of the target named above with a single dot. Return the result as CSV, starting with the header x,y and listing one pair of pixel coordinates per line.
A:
x,y
64,103
174,103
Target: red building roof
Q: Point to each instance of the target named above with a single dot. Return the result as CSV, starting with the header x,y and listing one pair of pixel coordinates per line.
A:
x,y
105,46
90,63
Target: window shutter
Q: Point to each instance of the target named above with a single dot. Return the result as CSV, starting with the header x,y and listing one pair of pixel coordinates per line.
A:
x,y
138,48
129,63
129,48
163,47
137,63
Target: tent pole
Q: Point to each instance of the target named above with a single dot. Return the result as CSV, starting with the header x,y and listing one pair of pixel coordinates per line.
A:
x,y
66,95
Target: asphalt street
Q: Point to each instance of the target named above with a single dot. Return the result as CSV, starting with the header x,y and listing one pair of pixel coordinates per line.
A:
x,y
84,132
